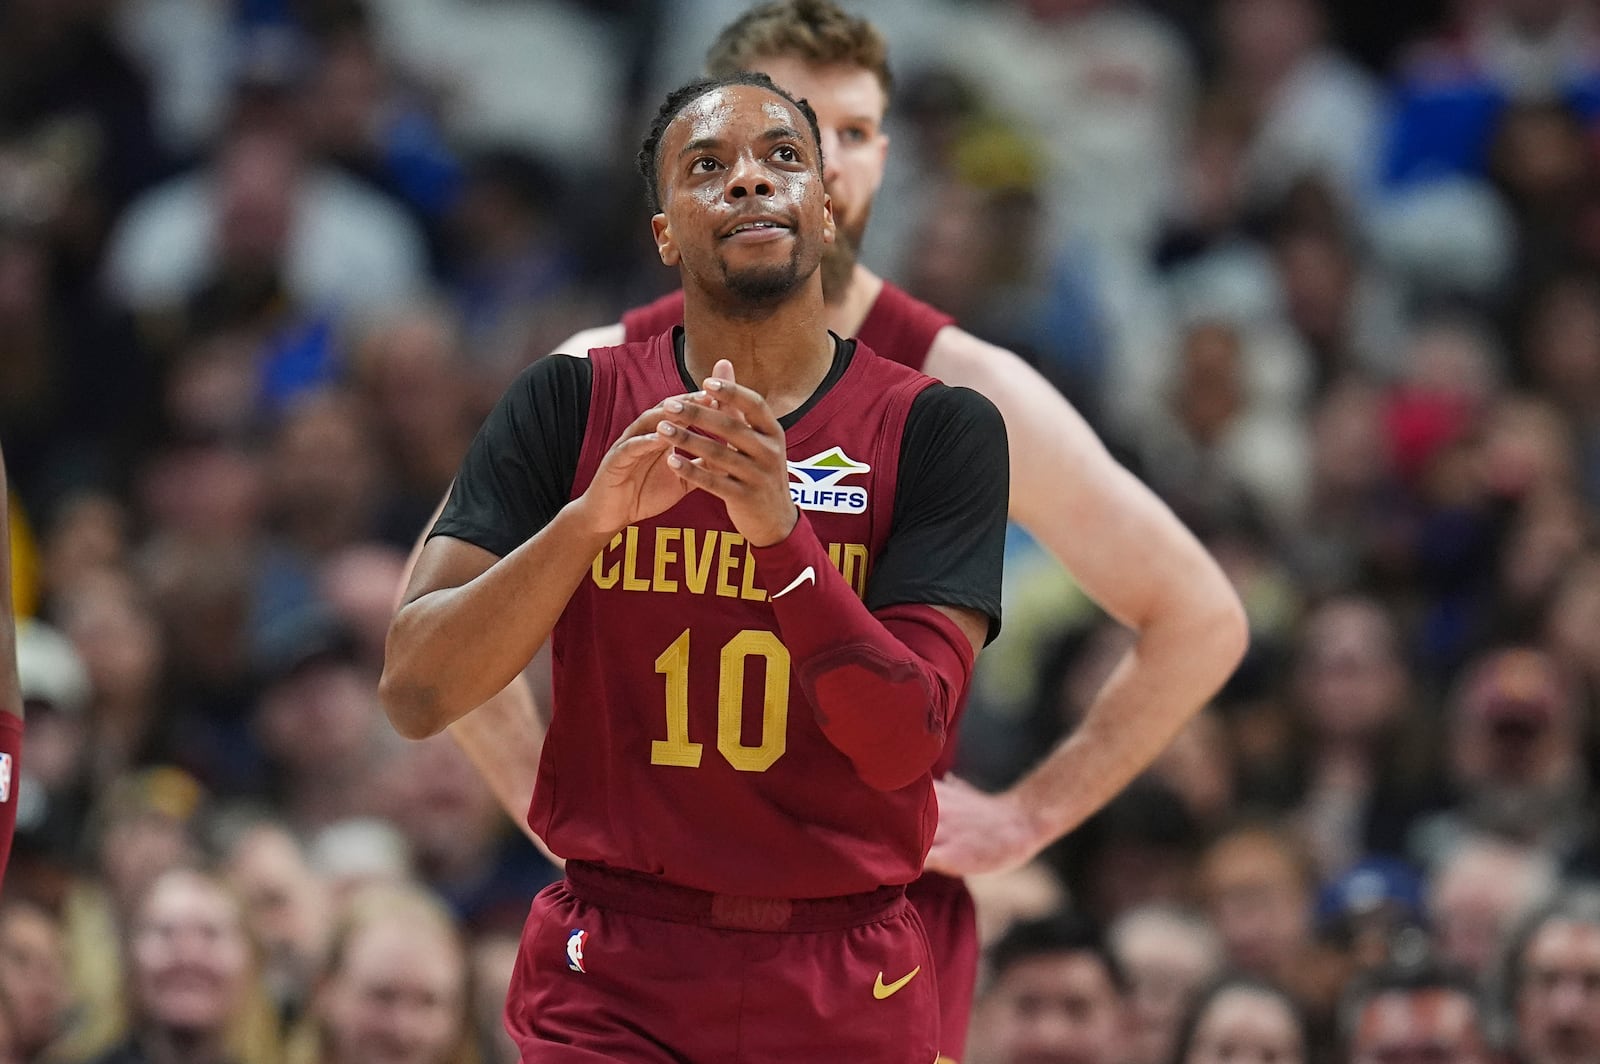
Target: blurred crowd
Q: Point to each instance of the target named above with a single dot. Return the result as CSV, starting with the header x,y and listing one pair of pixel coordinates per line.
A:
x,y
1327,276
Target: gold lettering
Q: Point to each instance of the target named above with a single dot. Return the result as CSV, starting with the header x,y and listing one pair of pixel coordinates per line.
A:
x,y
631,580
833,554
725,563
697,564
660,581
606,579
855,567
747,587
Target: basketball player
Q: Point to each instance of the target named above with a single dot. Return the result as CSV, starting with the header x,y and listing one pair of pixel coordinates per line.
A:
x,y
1121,544
743,898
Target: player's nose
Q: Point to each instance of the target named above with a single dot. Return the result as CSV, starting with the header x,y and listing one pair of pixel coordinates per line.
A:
x,y
746,178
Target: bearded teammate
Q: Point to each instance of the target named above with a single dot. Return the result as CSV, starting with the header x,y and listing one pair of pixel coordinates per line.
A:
x,y
10,690
741,899
1121,544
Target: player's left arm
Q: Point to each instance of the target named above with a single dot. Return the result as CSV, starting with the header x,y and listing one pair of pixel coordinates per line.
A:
x,y
1133,557
10,687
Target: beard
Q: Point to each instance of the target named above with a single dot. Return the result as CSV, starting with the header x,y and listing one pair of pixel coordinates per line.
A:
x,y
762,286
839,260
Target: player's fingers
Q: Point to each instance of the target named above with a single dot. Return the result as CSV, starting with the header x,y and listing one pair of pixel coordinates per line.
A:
x,y
720,456
752,404
647,421
698,474
725,424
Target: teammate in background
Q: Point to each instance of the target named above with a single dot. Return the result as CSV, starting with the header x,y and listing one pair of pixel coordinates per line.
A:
x,y
10,688
743,898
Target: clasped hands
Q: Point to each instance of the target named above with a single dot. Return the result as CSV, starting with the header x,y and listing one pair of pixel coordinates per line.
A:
x,y
723,439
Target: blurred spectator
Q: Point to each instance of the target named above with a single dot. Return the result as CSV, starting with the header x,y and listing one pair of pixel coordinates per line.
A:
x,y
33,979
287,909
258,227
1055,994
494,956
54,793
419,392
1453,89
323,476
1169,955
318,721
1515,753
462,843
359,583
1476,895
1414,1013
1360,763
364,121
1549,986
1373,912
394,987
1313,112
193,990
1111,154
513,275
358,852
1241,1018
1258,886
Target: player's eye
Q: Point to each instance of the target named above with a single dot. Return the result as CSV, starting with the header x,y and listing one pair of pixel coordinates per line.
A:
x,y
853,135
703,165
786,153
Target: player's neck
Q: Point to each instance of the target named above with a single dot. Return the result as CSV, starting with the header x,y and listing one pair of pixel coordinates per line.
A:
x,y
848,309
784,353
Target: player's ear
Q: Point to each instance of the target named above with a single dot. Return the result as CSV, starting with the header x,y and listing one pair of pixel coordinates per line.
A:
x,y
829,229
666,247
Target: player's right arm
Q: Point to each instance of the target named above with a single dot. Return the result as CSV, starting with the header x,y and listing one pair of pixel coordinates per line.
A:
x,y
10,688
510,550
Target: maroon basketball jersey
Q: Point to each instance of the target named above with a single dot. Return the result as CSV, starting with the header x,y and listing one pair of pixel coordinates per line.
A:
x,y
681,744
898,327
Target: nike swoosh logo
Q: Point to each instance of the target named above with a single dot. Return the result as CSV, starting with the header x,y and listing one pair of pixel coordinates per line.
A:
x,y
880,991
808,575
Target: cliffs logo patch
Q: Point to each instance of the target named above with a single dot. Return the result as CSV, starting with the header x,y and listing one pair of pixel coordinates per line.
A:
x,y
575,943
814,483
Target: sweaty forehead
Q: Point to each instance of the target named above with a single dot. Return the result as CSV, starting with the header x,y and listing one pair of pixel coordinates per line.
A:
x,y
721,112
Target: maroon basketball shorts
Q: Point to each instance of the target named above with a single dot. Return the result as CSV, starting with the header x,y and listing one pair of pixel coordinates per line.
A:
x,y
616,967
945,906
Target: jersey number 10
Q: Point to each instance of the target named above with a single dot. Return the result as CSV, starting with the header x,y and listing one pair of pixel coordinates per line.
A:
x,y
678,751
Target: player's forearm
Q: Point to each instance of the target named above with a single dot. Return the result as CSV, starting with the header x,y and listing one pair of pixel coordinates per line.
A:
x,y
504,738
884,687
1178,663
454,648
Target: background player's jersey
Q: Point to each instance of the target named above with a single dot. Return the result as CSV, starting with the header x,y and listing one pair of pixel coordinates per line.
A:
x,y
681,744
898,327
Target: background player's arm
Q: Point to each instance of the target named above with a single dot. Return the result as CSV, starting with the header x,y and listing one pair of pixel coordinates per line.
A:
x,y
10,686
1136,560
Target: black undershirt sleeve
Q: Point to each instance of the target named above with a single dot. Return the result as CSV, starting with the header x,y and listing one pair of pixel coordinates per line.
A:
x,y
947,543
519,470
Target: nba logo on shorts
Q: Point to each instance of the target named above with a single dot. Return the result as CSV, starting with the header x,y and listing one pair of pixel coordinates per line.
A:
x,y
575,943
5,778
